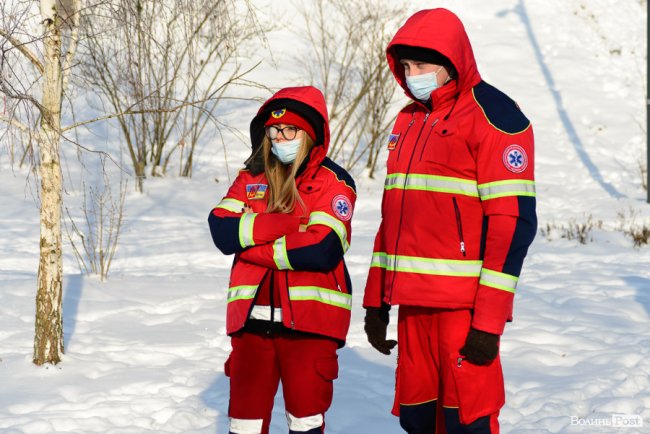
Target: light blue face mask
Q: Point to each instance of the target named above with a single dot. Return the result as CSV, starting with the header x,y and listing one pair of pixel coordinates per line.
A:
x,y
422,85
286,151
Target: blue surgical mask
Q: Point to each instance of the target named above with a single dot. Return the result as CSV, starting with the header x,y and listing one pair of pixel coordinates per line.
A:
x,y
422,85
286,151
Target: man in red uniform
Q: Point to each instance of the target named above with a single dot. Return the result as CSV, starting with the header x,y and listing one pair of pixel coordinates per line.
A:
x,y
458,215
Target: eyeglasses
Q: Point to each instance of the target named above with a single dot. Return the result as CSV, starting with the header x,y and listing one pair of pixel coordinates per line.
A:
x,y
289,133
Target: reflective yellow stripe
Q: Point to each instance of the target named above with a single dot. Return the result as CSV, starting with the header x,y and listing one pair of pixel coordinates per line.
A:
x,y
441,184
246,229
322,218
514,187
242,292
280,254
502,281
414,264
232,205
322,295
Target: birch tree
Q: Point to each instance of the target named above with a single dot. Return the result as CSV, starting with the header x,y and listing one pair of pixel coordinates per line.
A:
x,y
51,71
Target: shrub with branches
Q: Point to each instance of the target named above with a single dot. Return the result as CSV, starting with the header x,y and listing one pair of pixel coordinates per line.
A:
x,y
347,43
164,66
94,243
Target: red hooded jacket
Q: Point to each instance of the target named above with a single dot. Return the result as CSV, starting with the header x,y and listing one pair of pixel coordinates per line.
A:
x,y
309,272
458,211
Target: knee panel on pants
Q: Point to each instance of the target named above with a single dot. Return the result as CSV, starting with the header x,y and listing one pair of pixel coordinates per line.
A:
x,y
419,418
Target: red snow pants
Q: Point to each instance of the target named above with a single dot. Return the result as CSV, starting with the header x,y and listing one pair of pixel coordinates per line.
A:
x,y
435,385
307,366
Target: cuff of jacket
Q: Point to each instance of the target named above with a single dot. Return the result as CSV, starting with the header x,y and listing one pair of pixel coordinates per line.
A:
x,y
492,309
256,229
374,293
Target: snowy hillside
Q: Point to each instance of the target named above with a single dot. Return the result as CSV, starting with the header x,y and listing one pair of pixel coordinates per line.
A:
x,y
145,350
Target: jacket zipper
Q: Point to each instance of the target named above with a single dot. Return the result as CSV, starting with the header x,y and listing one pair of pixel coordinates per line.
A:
x,y
271,289
399,148
459,225
401,213
424,145
337,282
286,273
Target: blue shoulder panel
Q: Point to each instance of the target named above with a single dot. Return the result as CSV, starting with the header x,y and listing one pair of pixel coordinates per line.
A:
x,y
499,110
341,173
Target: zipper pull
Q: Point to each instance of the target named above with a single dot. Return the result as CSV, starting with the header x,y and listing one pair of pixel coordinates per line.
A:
x,y
459,362
462,248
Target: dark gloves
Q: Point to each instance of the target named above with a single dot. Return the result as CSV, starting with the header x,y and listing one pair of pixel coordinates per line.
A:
x,y
375,325
480,347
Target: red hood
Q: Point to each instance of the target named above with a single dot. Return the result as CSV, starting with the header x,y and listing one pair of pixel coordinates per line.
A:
x,y
440,30
307,100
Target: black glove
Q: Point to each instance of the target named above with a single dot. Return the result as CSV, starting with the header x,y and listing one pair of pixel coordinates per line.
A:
x,y
375,325
480,347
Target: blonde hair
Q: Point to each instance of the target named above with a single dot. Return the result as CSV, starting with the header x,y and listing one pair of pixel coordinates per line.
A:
x,y
283,192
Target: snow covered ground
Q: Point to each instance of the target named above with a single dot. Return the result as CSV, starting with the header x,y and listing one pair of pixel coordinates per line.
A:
x,y
145,350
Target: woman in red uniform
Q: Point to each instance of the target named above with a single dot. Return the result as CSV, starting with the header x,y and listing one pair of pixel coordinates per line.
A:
x,y
287,220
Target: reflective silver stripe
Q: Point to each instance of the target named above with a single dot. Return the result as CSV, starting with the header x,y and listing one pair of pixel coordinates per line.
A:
x,y
502,281
304,424
230,204
441,184
414,264
280,254
379,259
322,218
245,426
241,292
323,295
515,187
246,229
264,313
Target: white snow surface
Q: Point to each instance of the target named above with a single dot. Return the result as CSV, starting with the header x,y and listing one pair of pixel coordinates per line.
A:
x,y
145,350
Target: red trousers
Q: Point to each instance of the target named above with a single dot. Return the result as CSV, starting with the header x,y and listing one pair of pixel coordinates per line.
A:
x,y
307,367
432,377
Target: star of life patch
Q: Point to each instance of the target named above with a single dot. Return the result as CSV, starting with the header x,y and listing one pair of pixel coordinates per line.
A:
x,y
392,141
278,113
256,191
515,158
342,207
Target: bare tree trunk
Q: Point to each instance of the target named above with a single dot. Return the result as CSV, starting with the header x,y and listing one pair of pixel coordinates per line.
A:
x,y
48,339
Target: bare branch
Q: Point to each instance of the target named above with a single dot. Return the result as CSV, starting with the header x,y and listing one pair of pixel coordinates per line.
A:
x,y
24,50
15,123
130,112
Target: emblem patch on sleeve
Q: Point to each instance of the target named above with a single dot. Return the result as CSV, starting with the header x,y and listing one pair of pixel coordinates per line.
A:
x,y
342,207
256,191
392,141
515,158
